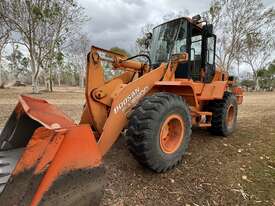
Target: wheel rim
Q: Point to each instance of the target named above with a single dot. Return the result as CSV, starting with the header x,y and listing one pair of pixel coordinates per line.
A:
x,y
230,117
171,133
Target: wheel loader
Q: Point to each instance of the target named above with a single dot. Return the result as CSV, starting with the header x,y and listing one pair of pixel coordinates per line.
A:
x,y
48,159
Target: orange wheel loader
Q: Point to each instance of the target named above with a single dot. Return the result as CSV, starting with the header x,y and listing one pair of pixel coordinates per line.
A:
x,y
47,159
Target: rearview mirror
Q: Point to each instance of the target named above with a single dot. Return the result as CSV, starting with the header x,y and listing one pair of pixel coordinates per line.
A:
x,y
148,37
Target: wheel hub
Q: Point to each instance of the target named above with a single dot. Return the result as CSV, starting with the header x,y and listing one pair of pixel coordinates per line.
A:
x,y
171,134
230,118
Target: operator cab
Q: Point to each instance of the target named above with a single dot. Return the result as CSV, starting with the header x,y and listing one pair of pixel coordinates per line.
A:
x,y
190,36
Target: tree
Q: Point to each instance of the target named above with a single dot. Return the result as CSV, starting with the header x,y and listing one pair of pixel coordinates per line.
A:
x,y
42,25
64,22
257,51
109,73
120,51
18,62
232,21
266,77
4,37
271,67
59,64
69,74
248,83
77,53
141,41
52,66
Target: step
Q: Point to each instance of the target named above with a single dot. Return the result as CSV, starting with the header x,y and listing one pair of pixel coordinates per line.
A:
x,y
204,125
205,113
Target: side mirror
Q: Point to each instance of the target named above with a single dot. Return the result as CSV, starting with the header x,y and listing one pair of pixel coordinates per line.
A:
x,y
148,39
149,35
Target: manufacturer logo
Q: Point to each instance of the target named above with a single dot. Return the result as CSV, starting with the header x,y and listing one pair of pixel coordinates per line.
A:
x,y
131,99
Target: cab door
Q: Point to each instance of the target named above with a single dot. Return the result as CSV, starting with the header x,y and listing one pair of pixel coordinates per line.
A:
x,y
209,58
195,52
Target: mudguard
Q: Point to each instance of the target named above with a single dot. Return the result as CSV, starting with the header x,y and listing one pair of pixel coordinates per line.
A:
x,y
47,159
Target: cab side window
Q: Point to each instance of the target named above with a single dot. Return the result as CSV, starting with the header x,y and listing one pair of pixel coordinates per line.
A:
x,y
210,50
196,47
210,59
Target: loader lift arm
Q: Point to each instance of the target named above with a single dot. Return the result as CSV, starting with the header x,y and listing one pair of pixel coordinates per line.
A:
x,y
108,103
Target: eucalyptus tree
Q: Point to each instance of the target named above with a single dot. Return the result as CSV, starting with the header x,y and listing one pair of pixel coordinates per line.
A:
x,y
4,38
43,26
18,62
77,55
233,22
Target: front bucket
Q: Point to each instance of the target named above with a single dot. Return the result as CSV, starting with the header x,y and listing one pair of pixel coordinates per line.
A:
x,y
29,114
45,159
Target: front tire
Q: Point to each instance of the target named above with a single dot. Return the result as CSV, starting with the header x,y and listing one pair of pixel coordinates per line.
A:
x,y
159,131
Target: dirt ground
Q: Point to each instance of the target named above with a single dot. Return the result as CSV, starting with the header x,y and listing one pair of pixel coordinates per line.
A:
x,y
239,170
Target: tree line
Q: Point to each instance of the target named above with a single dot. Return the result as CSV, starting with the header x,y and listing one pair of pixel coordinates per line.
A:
x,y
46,45
266,79
44,40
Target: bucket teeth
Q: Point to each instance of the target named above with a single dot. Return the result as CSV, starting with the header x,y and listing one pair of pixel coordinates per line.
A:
x,y
8,161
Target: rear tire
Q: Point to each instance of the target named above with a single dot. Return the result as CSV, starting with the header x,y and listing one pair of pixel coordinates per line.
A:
x,y
159,131
224,117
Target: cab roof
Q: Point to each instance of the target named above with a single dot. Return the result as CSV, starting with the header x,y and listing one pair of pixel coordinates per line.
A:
x,y
199,25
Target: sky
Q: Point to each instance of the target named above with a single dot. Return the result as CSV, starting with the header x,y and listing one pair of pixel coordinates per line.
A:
x,y
119,22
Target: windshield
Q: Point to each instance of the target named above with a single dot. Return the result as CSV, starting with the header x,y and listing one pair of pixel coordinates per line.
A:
x,y
163,41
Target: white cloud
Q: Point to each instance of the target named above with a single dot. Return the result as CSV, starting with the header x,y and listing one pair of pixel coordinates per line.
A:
x,y
118,22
